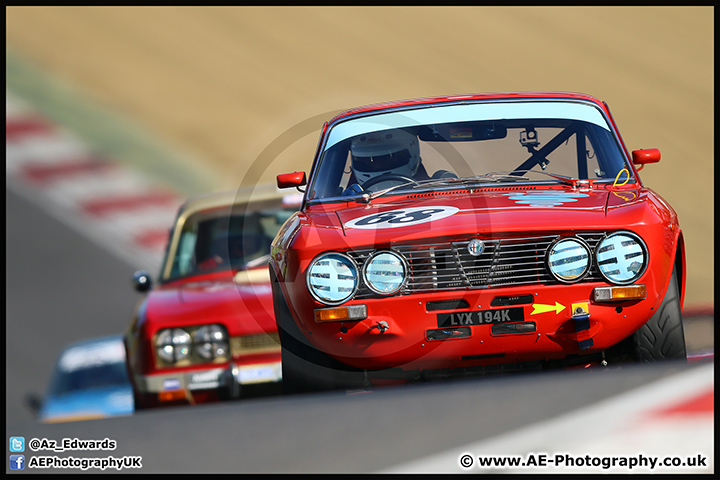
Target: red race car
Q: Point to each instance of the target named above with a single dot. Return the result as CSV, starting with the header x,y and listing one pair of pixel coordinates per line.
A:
x,y
474,234
207,331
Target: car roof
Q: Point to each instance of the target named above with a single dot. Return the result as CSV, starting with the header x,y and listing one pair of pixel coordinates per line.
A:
x,y
90,342
230,197
464,98
74,352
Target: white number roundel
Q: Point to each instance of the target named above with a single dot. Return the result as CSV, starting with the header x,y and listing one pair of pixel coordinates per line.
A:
x,y
402,217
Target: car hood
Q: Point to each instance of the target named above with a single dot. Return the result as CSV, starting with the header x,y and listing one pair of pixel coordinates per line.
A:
x,y
87,404
242,302
482,212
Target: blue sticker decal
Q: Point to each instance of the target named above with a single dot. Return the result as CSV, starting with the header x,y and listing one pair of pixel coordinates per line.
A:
x,y
171,384
550,198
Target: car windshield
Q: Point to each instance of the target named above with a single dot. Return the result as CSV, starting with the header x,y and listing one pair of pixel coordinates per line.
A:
x,y
93,366
236,238
473,144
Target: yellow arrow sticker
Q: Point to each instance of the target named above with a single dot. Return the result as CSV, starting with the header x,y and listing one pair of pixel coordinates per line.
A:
x,y
541,308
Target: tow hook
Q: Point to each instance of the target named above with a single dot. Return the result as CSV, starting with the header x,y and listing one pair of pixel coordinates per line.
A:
x,y
382,326
582,324
581,318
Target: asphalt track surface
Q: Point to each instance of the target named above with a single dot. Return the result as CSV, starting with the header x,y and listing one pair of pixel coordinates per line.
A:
x,y
50,276
339,433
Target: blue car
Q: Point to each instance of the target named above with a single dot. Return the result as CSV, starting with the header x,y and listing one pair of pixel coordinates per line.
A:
x,y
89,381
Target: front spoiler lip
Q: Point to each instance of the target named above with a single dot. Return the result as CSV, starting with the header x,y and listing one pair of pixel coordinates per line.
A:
x,y
232,377
558,333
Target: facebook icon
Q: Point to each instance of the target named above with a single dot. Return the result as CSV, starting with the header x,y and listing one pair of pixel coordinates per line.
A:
x,y
17,462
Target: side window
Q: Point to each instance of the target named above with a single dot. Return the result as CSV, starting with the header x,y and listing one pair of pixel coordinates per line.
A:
x,y
346,172
605,154
591,156
183,263
333,173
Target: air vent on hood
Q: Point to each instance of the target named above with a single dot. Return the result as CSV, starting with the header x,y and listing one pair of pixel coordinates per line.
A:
x,y
497,189
467,191
435,194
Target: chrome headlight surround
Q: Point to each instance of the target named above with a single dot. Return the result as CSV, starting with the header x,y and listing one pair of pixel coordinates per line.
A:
x,y
332,278
173,345
569,259
385,267
211,342
622,257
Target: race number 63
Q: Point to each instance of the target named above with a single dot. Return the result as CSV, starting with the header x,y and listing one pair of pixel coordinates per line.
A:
x,y
402,217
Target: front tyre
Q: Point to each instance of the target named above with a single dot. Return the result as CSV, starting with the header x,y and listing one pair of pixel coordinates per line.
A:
x,y
660,338
304,368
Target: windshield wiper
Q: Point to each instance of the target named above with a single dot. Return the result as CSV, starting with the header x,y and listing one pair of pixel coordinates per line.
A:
x,y
520,175
499,177
496,177
465,181
417,183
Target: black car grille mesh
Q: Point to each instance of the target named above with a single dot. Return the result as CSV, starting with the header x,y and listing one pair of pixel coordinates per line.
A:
x,y
450,266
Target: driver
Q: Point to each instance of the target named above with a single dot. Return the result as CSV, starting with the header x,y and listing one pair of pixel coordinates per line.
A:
x,y
385,153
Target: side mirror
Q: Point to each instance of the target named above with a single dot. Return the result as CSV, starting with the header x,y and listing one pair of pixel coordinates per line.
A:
x,y
287,180
33,402
141,281
644,156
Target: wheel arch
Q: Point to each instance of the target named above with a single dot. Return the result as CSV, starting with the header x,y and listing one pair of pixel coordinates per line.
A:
x,y
680,266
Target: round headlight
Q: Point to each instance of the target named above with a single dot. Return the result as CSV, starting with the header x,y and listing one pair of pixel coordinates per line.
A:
x,y
385,272
569,260
211,342
622,257
332,278
173,345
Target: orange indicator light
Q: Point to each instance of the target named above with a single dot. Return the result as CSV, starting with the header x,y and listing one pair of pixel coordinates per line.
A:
x,y
331,315
340,314
617,294
171,395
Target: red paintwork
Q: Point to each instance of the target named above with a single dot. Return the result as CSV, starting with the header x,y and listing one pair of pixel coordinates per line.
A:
x,y
402,345
487,211
648,155
295,179
243,305
207,299
215,299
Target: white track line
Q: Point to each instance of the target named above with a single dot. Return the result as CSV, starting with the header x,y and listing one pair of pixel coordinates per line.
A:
x,y
619,426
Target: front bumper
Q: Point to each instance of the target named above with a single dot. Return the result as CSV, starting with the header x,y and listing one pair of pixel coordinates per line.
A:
x,y
399,332
230,378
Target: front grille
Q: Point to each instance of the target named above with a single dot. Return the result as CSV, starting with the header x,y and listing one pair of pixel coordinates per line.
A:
x,y
250,344
450,266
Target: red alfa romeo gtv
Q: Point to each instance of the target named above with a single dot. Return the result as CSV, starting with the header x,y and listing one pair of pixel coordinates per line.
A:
x,y
474,233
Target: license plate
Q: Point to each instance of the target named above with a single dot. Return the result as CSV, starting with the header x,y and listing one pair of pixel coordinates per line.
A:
x,y
480,317
205,380
259,374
